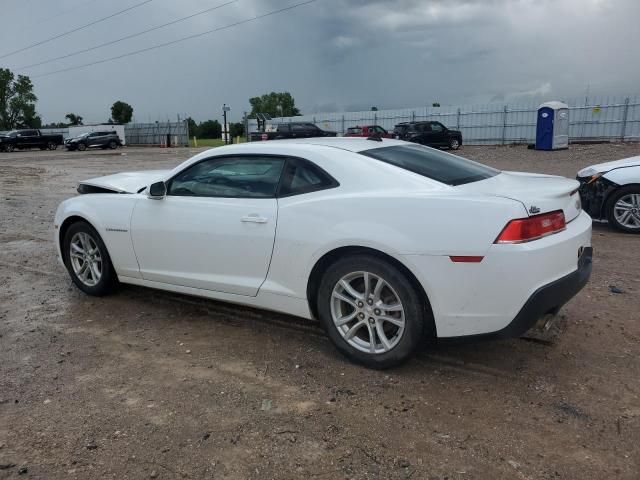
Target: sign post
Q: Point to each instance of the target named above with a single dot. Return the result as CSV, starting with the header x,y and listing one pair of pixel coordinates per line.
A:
x,y
225,125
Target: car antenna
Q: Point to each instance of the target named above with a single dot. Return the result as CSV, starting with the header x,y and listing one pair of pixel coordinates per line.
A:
x,y
376,137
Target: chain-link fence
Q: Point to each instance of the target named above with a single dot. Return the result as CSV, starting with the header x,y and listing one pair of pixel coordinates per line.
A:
x,y
602,118
159,134
167,134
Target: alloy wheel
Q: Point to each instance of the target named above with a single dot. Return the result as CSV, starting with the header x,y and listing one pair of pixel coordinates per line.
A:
x,y
627,211
86,259
367,312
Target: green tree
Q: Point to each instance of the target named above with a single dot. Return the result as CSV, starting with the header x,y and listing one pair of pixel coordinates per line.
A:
x,y
74,119
193,127
275,104
17,101
210,129
236,129
121,112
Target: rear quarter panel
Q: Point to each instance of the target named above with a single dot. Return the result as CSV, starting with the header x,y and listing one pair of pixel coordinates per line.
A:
x,y
311,225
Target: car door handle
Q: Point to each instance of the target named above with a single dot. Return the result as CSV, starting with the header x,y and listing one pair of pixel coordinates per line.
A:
x,y
254,218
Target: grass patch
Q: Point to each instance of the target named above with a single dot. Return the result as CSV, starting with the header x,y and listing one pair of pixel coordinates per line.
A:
x,y
211,142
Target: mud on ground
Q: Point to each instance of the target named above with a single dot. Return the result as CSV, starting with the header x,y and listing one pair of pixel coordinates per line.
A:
x,y
144,384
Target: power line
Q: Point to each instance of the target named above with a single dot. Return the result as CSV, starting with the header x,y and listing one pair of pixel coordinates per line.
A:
x,y
162,45
75,29
127,37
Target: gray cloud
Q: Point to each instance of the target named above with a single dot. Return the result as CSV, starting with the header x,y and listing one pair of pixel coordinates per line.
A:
x,y
331,55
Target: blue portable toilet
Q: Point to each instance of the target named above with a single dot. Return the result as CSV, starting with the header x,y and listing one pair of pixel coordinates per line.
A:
x,y
552,127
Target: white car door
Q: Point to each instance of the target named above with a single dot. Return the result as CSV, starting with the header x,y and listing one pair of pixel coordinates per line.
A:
x,y
215,228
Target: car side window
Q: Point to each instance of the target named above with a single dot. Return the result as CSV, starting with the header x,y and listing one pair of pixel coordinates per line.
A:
x,y
299,128
301,176
242,176
436,127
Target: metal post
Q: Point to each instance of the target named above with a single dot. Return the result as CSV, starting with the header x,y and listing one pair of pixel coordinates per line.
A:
x,y
343,125
413,115
504,125
224,126
458,120
623,129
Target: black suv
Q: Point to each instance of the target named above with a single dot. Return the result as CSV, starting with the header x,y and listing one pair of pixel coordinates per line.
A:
x,y
432,134
94,140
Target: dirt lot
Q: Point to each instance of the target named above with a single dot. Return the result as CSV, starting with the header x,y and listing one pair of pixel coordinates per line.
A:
x,y
144,384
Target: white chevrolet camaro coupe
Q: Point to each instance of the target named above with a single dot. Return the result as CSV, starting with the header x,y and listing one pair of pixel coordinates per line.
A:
x,y
387,243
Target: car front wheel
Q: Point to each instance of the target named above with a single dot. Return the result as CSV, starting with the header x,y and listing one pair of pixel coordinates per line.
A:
x,y
113,145
82,147
623,209
454,144
8,148
371,311
87,260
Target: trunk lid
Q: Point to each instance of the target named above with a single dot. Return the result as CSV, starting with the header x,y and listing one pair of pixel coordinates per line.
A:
x,y
126,182
537,192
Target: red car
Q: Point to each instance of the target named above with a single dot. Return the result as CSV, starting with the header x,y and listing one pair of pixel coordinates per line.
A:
x,y
367,131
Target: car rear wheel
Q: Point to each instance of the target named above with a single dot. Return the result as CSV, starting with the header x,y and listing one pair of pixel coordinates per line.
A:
x,y
87,260
113,145
623,209
52,146
454,144
8,148
371,311
82,147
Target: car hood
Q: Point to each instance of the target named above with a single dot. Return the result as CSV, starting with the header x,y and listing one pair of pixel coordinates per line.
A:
x,y
608,166
537,192
127,182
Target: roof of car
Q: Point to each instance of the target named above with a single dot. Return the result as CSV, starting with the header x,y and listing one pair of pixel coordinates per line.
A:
x,y
352,144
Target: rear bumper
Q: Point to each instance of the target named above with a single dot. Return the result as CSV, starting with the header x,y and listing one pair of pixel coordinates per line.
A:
x,y
548,299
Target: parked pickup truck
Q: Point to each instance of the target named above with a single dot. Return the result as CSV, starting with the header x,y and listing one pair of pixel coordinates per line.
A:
x,y
292,130
25,139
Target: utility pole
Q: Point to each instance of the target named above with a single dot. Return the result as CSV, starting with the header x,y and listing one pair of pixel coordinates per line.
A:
x,y
225,133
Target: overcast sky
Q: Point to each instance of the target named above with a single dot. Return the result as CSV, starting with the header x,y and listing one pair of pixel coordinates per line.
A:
x,y
332,55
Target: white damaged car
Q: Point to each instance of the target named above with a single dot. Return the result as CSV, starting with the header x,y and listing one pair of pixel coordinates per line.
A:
x,y
387,243
611,192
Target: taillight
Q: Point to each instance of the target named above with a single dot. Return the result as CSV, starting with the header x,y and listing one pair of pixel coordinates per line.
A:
x,y
532,228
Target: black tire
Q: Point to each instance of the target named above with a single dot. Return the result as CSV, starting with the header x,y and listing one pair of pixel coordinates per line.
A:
x,y
454,144
108,278
82,147
113,145
417,316
611,209
8,148
52,146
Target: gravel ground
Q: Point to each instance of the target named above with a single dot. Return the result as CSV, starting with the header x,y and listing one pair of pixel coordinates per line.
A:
x,y
144,384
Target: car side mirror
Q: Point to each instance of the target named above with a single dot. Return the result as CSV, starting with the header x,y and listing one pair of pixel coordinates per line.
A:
x,y
157,191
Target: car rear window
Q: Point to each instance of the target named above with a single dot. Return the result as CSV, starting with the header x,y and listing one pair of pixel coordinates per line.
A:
x,y
434,164
354,130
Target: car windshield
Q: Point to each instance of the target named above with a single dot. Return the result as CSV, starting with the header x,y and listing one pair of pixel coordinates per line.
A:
x,y
12,133
434,164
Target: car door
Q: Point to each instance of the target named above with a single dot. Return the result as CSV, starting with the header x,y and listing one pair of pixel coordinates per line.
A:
x,y
27,139
438,134
215,228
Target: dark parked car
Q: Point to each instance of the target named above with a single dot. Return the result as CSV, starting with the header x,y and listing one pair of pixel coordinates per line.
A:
x,y
94,140
25,139
292,130
367,131
432,134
